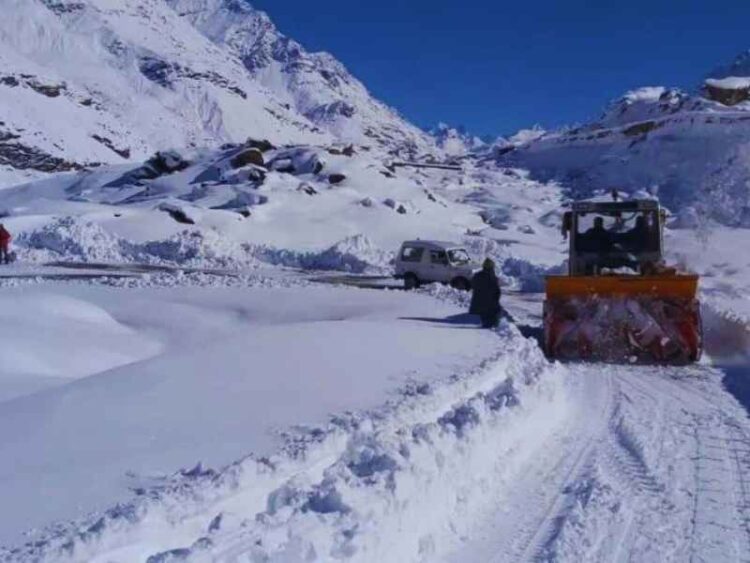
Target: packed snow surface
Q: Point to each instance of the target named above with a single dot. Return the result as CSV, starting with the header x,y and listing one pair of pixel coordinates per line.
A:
x,y
485,452
159,365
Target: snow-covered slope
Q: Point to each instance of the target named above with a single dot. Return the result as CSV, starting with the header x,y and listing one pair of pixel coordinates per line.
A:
x,y
691,149
298,199
316,84
110,80
303,206
104,81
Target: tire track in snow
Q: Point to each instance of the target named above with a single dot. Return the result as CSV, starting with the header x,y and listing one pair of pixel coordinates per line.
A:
x,y
675,467
541,544
531,513
720,521
620,462
716,533
738,443
642,488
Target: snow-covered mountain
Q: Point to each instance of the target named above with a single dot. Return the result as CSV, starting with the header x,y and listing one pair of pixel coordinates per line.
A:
x,y
690,148
740,66
315,84
199,389
106,81
455,141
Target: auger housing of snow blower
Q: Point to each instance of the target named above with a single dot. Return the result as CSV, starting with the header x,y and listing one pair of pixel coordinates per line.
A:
x,y
619,303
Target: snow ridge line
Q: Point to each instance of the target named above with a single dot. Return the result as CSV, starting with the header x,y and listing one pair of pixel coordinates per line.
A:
x,y
360,473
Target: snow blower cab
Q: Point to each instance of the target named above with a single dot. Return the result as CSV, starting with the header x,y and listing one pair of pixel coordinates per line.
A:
x,y
619,303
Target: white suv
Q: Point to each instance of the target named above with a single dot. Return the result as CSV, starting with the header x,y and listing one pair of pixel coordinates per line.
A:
x,y
421,261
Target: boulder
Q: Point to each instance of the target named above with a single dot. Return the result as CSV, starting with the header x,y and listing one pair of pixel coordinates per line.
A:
x,y
247,175
177,213
161,164
729,91
242,201
262,145
496,217
247,156
283,165
397,206
307,188
167,162
336,178
297,161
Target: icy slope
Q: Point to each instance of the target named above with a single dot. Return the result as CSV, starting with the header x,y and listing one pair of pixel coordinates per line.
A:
x,y
316,84
108,81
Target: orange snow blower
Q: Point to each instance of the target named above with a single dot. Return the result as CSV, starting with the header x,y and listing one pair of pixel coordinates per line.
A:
x,y
619,303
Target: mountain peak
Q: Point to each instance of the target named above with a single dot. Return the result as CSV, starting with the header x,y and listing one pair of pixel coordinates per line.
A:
x,y
315,84
740,66
455,140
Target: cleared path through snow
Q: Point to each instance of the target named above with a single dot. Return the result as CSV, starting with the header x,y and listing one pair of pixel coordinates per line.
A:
x,y
654,466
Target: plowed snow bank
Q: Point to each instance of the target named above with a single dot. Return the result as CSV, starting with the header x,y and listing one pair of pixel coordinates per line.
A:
x,y
402,482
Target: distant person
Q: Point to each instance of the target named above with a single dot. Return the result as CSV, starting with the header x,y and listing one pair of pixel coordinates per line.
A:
x,y
485,298
5,239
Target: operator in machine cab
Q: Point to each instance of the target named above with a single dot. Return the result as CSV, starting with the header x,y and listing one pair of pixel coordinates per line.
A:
x,y
639,237
597,238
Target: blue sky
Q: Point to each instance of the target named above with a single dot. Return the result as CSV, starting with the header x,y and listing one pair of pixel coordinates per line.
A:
x,y
499,66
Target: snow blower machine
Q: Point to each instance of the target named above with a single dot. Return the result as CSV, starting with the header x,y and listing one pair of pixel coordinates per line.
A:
x,y
619,303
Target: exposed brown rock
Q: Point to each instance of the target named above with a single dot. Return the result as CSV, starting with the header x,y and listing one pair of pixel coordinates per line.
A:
x,y
262,145
726,96
639,128
251,155
124,153
307,188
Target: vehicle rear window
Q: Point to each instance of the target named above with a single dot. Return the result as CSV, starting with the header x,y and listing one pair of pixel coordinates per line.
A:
x,y
412,254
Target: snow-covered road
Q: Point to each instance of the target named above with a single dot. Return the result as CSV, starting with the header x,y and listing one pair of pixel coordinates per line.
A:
x,y
475,449
652,465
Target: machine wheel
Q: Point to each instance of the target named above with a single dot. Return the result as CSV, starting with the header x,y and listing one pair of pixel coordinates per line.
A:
x,y
462,284
411,281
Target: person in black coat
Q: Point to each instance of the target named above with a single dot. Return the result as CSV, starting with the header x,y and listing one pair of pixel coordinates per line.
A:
x,y
485,298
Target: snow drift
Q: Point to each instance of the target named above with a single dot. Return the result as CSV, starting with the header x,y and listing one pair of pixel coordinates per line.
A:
x,y
430,458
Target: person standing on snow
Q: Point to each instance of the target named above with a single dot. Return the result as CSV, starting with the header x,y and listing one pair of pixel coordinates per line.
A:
x,y
485,298
4,244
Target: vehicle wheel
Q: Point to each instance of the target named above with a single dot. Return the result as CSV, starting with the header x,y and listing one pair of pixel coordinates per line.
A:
x,y
462,284
411,281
